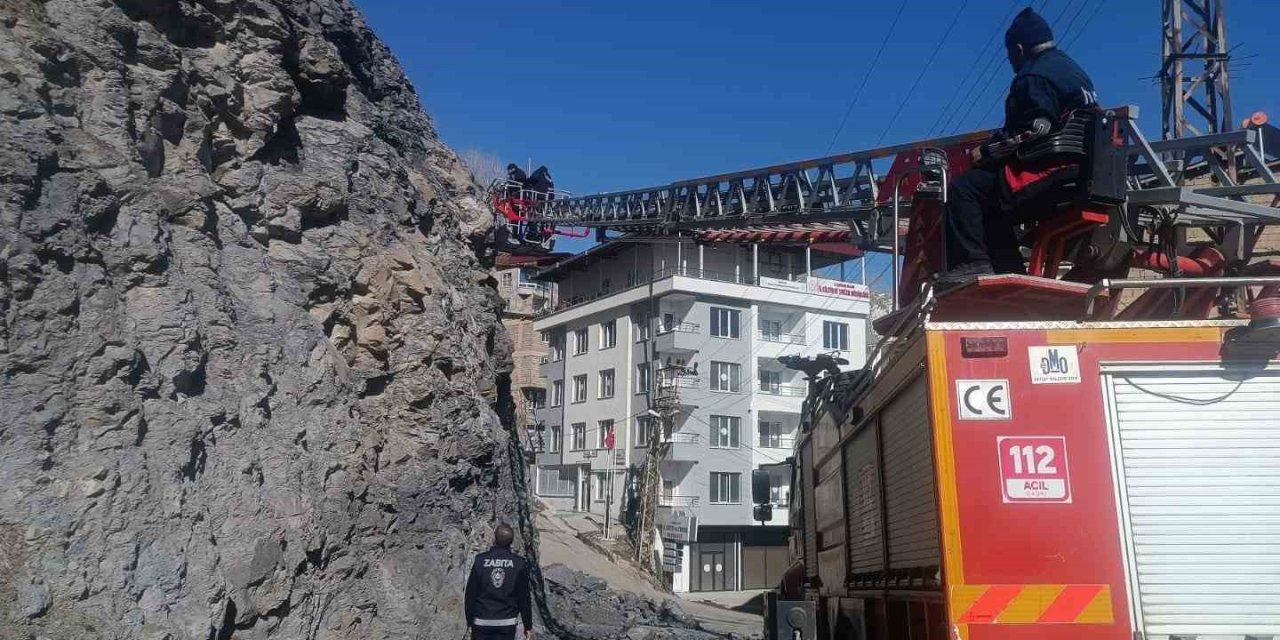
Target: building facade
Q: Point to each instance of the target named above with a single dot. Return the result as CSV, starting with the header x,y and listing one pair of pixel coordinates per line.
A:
x,y
706,325
525,298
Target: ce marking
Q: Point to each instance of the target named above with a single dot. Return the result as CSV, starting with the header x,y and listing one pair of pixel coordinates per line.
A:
x,y
984,399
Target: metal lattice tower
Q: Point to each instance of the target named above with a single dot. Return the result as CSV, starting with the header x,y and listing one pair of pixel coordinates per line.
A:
x,y
666,403
1195,86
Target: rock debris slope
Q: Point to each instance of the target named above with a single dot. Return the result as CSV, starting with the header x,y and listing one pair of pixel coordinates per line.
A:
x,y
248,355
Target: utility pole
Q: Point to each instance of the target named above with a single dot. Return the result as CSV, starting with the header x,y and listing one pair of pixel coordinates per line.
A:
x,y
1193,69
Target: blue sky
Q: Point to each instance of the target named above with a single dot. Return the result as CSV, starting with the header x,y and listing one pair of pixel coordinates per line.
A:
x,y
618,95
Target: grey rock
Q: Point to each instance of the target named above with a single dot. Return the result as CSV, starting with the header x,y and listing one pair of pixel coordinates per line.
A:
x,y
249,378
589,610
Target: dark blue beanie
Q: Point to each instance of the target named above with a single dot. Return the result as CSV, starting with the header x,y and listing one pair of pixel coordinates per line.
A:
x,y
1028,29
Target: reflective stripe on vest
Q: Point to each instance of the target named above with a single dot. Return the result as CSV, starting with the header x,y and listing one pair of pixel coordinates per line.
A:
x,y
505,622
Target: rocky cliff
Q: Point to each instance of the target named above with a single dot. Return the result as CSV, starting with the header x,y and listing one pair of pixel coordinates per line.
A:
x,y
248,356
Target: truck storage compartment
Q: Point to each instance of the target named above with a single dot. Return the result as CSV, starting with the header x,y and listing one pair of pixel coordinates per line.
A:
x,y
1198,455
862,482
911,512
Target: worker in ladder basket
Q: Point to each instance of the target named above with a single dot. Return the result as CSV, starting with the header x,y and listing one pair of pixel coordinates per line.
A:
x,y
1047,87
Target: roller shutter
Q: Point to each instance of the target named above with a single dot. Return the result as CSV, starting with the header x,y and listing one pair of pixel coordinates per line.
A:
x,y
912,512
807,511
862,481
1199,456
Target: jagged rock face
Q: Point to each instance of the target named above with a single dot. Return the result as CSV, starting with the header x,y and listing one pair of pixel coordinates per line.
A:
x,y
248,356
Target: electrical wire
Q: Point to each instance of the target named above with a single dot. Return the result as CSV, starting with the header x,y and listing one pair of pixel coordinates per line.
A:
x,y
947,112
981,93
923,70
853,100
1198,402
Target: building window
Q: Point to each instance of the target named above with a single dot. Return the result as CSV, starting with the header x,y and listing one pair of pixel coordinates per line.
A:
x,y
644,426
580,341
770,329
725,376
724,487
602,485
557,393
770,434
556,435
724,432
606,384
668,489
537,398
724,322
579,431
835,335
644,378
553,481
557,347
506,280
779,491
609,334
603,428
641,323
770,381
668,322
544,336
580,388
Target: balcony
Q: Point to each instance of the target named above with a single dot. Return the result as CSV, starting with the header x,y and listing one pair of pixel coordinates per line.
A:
x,y
683,447
678,502
807,286
685,381
785,390
783,338
682,337
534,288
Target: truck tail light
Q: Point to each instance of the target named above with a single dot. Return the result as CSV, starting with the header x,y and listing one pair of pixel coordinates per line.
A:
x,y
984,347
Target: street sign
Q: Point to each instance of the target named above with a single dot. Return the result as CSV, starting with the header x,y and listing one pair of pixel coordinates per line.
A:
x,y
677,525
672,556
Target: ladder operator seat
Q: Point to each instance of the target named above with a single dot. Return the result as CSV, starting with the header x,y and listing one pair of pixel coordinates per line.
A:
x,y
1083,182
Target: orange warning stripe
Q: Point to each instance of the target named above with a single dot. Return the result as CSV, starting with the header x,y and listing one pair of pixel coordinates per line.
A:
x,y
944,455
1032,604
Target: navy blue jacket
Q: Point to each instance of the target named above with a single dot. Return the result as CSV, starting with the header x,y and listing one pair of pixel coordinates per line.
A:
x,y
497,590
1049,85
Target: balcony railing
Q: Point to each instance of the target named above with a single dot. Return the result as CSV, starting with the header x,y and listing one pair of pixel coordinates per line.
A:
x,y
683,437
681,327
642,280
682,381
678,502
783,338
534,287
788,390
785,442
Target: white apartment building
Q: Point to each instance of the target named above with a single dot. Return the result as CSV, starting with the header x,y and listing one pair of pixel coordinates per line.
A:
x,y
712,319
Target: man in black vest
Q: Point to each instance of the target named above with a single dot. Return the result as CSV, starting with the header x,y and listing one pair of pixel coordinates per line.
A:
x,y
497,595
1047,86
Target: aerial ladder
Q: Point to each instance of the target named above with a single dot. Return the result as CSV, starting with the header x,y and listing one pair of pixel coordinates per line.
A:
x,y
1188,215
1193,206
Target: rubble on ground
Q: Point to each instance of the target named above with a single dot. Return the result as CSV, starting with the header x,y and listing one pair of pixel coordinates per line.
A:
x,y
587,607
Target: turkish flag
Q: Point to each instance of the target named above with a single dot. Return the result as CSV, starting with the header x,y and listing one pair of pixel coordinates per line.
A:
x,y
608,439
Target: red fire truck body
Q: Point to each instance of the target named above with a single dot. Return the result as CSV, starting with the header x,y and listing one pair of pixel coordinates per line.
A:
x,y
1047,480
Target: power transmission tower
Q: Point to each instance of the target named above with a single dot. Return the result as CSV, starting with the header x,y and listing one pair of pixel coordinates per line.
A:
x,y
1195,86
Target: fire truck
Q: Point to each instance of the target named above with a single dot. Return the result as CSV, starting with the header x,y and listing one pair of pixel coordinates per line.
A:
x,y
1087,450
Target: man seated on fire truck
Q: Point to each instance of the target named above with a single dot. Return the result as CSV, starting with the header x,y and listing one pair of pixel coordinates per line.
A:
x,y
1047,86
